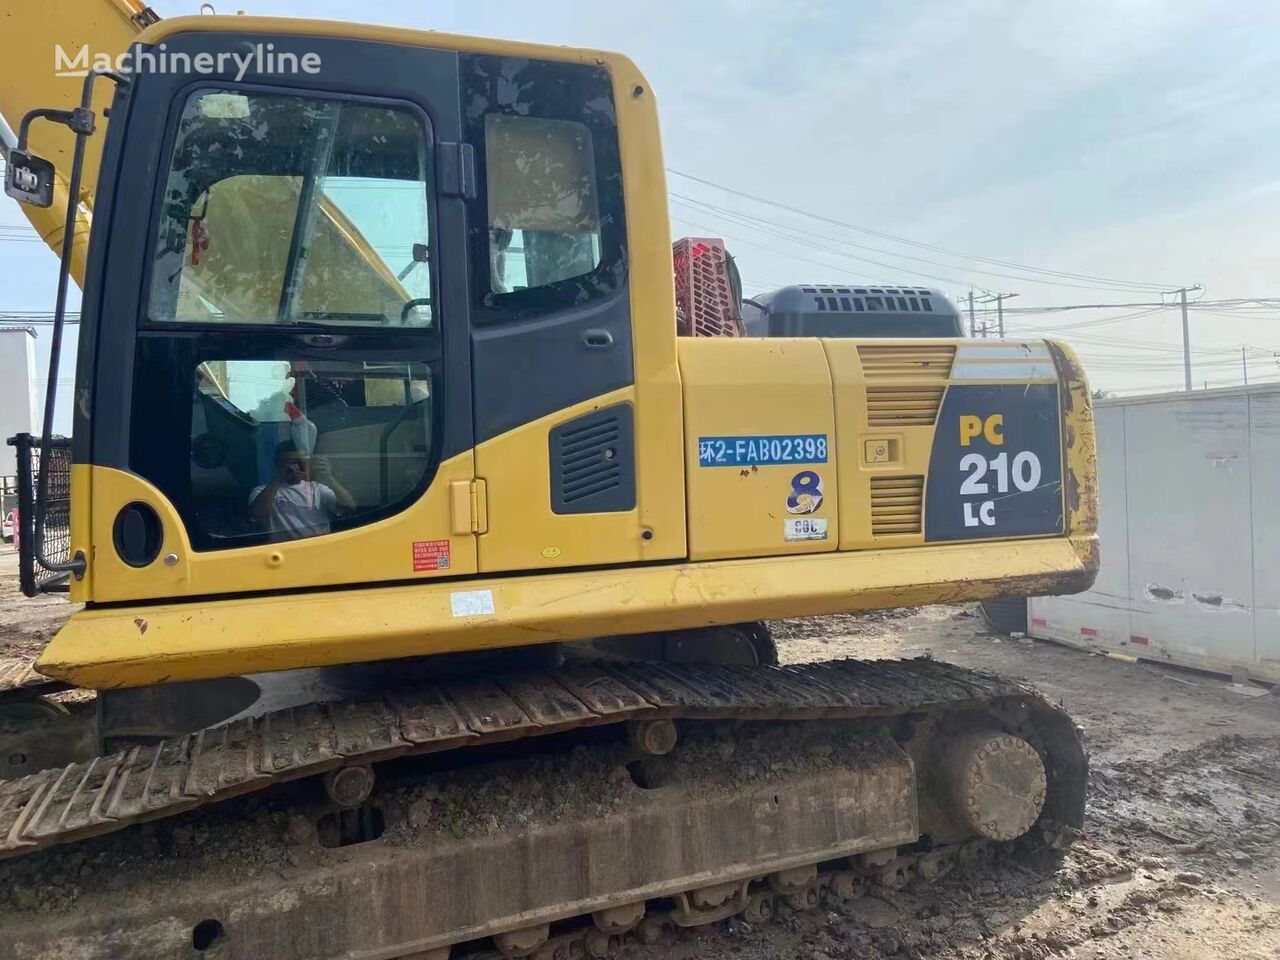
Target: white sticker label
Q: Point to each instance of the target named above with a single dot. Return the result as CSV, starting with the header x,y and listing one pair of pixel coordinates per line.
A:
x,y
805,528
471,603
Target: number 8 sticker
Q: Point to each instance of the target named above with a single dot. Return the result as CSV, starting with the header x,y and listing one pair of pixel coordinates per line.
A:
x,y
806,493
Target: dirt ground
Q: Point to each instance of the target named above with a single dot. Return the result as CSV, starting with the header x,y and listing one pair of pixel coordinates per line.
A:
x,y
1180,856
25,624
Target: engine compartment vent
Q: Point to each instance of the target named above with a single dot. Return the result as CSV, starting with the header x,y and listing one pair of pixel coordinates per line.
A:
x,y
593,462
903,406
897,505
904,361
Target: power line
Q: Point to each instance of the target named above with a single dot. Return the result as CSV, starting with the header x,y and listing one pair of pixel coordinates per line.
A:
x,y
1098,282
815,246
800,235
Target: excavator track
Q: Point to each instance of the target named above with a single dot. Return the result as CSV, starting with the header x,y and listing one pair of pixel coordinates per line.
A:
x,y
896,791
143,783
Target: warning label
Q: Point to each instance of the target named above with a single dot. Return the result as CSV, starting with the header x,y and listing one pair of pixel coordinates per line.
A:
x,y
430,555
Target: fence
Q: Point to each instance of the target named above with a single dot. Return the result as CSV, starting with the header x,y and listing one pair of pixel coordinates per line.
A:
x,y
34,578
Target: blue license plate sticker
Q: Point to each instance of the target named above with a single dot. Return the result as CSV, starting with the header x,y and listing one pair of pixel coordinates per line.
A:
x,y
762,451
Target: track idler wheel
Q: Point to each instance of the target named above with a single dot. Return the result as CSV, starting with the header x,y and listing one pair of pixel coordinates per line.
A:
x,y
997,783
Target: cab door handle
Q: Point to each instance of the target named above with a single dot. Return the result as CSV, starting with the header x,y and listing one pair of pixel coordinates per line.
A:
x,y
597,339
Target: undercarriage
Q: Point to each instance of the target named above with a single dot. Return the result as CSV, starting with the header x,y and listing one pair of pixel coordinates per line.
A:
x,y
536,812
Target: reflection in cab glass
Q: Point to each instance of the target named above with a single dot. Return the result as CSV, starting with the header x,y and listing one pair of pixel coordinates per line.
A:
x,y
544,217
287,449
289,210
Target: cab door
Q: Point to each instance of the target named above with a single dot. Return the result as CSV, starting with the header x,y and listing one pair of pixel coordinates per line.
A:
x,y
284,400
577,393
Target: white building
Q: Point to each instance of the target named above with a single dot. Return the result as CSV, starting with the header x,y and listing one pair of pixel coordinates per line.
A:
x,y
17,390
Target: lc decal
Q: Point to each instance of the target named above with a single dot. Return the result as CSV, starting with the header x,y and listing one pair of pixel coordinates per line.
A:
x,y
806,493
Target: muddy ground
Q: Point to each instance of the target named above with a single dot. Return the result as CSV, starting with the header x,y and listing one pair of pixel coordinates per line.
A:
x,y
1180,857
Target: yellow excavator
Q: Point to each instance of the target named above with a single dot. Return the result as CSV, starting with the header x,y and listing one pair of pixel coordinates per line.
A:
x,y
411,472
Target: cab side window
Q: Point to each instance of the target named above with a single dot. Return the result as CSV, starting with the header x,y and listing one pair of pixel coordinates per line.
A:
x,y
550,231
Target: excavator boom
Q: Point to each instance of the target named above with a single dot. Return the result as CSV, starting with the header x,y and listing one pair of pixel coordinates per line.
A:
x,y
45,59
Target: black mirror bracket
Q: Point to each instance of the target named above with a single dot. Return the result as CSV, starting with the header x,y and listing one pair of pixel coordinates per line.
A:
x,y
30,179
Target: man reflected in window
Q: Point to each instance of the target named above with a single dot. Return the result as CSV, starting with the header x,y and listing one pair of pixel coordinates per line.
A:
x,y
302,499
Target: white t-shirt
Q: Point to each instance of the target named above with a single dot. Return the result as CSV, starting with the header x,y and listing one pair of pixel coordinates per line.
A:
x,y
300,509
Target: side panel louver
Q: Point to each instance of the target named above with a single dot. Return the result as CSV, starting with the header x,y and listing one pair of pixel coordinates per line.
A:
x,y
593,462
896,505
930,362
903,404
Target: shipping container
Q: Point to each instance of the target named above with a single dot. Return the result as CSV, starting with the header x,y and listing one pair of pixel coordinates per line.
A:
x,y
1190,530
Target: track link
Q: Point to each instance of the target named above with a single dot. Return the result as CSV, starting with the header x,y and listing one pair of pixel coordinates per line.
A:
x,y
760,900
18,677
109,793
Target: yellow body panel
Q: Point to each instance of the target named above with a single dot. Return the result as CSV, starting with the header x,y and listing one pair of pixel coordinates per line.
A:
x,y
761,388
524,533
720,530
81,533
900,450
132,647
379,552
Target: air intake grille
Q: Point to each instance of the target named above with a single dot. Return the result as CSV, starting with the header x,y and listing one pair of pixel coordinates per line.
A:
x,y
593,463
903,406
907,362
897,504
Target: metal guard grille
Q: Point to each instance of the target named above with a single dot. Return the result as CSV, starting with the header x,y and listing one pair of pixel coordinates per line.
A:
x,y
705,304
906,361
897,505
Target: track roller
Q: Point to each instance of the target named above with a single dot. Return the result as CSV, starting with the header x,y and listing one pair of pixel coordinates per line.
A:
x,y
349,786
600,945
761,907
847,884
521,943
653,930
709,904
655,738
619,919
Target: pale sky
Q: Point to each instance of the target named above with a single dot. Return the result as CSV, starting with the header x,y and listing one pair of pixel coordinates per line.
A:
x,y
1127,139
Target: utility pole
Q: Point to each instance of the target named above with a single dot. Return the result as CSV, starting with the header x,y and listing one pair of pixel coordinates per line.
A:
x,y
1186,343
1244,362
1000,298
973,330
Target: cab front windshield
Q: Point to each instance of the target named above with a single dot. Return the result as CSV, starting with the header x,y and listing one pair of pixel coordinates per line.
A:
x,y
288,210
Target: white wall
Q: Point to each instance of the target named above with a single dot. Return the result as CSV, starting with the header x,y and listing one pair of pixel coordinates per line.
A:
x,y
17,391
1190,533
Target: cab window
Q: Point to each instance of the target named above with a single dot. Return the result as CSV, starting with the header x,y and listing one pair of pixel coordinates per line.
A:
x,y
290,210
288,363
548,231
